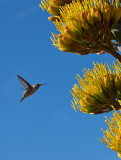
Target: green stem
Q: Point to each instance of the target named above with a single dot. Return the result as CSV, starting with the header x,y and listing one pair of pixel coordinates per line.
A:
x,y
111,51
115,54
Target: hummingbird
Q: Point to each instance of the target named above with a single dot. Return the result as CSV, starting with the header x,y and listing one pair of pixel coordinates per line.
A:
x,y
29,90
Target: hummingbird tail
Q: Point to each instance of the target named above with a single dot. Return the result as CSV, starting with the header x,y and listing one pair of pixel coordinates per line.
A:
x,y
22,99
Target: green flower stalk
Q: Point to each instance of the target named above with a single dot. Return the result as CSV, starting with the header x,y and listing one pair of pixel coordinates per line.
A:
x,y
112,136
99,90
85,27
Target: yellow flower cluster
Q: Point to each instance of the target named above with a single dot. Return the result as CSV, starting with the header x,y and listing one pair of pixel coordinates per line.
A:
x,y
99,90
86,26
112,136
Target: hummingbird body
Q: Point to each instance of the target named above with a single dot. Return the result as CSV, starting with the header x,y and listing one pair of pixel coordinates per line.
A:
x,y
29,90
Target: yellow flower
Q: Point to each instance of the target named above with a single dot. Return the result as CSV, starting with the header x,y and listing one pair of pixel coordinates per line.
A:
x,y
112,136
99,90
86,26
52,6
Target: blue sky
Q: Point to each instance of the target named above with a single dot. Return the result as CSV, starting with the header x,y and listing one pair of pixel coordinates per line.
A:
x,y
44,126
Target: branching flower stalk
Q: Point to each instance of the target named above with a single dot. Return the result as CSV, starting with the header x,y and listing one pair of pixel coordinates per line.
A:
x,y
87,27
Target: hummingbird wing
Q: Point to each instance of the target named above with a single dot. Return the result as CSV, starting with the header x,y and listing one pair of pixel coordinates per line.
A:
x,y
24,83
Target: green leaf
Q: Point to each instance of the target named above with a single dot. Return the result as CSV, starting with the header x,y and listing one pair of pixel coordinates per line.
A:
x,y
116,31
119,95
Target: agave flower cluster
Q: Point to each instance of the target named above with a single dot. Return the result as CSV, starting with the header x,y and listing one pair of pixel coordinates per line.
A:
x,y
85,27
112,136
99,90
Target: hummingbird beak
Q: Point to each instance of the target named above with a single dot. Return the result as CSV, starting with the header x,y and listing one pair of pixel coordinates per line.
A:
x,y
42,84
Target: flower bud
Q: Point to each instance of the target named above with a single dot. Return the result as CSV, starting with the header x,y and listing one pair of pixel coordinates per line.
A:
x,y
51,18
53,9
